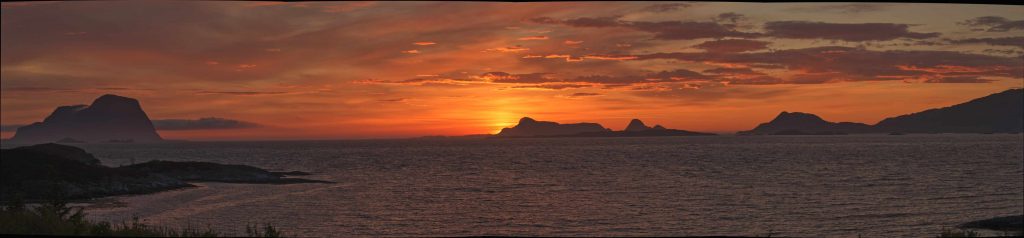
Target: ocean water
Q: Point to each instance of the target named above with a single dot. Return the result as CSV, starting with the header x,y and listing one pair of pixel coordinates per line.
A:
x,y
806,186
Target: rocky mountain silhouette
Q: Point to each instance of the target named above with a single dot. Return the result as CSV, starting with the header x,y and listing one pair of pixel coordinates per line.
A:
x,y
997,113
637,125
799,123
528,127
636,128
108,118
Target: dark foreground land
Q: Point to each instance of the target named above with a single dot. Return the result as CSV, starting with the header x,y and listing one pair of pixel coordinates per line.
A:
x,y
53,170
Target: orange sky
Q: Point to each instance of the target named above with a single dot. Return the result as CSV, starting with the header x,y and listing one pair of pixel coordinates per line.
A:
x,y
333,70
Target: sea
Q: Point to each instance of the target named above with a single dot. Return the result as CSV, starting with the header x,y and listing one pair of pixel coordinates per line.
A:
x,y
795,186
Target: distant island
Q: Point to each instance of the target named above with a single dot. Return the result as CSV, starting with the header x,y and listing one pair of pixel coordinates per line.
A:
x,y
528,127
997,113
110,118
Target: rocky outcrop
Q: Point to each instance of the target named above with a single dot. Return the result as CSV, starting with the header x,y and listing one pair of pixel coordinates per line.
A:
x,y
528,127
53,170
799,123
213,172
108,118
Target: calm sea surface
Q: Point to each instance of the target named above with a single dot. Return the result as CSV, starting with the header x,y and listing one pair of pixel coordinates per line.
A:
x,y
809,186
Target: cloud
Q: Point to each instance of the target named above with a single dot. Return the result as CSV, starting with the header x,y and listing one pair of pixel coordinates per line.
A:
x,y
665,30
667,7
966,79
502,77
732,45
411,51
205,123
838,64
572,42
852,8
993,24
424,43
507,49
554,86
1017,41
533,38
582,94
842,31
241,93
9,128
730,17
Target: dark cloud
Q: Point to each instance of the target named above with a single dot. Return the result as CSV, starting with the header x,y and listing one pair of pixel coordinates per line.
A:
x,y
842,31
576,95
667,7
732,45
730,17
733,71
967,79
1004,41
206,123
666,30
836,64
844,8
679,75
993,24
679,30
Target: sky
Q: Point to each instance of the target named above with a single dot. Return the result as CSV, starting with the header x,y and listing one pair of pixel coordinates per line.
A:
x,y
241,70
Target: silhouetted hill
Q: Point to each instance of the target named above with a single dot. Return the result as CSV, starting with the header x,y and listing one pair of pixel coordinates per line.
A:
x,y
636,125
108,118
528,127
799,123
48,170
997,113
636,128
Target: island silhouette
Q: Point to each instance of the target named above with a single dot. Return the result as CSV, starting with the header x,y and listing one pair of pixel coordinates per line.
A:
x,y
1001,112
110,118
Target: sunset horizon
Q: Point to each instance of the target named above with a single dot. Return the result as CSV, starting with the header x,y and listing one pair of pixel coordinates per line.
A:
x,y
705,66
511,119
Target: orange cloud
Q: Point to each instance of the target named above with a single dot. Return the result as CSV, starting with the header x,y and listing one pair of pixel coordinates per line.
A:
x,y
533,38
507,49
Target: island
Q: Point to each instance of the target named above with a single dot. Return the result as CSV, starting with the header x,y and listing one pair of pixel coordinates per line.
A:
x,y
110,118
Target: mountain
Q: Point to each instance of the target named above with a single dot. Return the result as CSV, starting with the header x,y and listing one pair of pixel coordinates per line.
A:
x,y
637,125
528,127
997,113
108,118
799,123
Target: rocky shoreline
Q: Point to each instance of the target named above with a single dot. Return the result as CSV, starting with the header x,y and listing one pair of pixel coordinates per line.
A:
x,y
48,171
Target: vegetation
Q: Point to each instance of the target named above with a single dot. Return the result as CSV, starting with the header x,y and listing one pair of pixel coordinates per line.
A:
x,y
55,217
949,233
